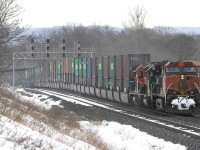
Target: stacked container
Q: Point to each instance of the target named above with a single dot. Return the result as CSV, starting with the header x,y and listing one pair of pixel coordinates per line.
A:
x,y
100,72
76,70
58,70
80,63
54,70
94,72
84,71
106,67
89,72
119,73
112,72
51,71
40,72
43,72
62,70
130,62
71,70
66,70
48,72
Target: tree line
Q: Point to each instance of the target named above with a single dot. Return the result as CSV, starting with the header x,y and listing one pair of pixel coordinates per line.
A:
x,y
163,43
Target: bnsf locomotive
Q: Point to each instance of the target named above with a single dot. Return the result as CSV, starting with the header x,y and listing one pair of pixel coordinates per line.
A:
x,y
168,86
130,79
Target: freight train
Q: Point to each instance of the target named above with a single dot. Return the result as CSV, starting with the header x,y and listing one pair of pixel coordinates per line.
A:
x,y
130,79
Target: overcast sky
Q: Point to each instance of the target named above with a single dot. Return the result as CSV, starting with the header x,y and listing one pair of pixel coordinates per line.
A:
x,y
48,13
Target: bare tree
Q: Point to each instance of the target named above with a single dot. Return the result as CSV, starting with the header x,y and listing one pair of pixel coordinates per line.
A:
x,y
135,28
136,18
10,29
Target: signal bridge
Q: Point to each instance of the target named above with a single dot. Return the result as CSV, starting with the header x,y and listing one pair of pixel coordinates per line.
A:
x,y
50,54
53,54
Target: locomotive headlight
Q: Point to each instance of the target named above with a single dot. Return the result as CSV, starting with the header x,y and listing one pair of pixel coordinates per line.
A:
x,y
182,77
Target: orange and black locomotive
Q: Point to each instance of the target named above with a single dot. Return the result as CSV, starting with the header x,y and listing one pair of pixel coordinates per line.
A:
x,y
168,86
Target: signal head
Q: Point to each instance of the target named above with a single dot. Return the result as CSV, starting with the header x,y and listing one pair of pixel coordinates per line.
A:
x,y
32,41
47,41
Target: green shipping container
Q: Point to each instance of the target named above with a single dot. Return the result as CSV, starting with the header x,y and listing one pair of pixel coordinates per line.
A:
x,y
112,67
106,83
84,65
76,66
80,67
58,70
100,67
51,71
72,65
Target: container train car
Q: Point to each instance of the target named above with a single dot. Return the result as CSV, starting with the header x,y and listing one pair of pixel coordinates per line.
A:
x,y
131,79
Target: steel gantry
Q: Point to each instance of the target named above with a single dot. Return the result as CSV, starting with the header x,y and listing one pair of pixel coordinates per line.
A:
x,y
53,54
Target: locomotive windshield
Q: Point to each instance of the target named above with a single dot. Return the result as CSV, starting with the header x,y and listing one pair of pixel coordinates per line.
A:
x,y
189,69
173,70
178,70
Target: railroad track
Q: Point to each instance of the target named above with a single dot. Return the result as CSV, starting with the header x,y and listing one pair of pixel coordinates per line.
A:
x,y
189,118
157,121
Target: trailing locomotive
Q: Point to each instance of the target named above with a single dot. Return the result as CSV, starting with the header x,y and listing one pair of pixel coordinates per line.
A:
x,y
131,79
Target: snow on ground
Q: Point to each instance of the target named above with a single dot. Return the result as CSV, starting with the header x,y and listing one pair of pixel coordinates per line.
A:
x,y
38,99
126,137
16,136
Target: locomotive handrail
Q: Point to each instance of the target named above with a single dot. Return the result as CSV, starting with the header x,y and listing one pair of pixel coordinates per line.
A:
x,y
166,92
197,86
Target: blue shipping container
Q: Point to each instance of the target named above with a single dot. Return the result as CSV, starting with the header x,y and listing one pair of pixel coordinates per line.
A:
x,y
89,67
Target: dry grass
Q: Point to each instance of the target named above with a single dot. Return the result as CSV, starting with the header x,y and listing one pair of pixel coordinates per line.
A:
x,y
12,107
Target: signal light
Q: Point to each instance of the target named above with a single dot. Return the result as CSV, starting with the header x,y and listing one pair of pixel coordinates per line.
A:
x,y
47,45
32,47
63,41
78,46
63,47
47,48
32,41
